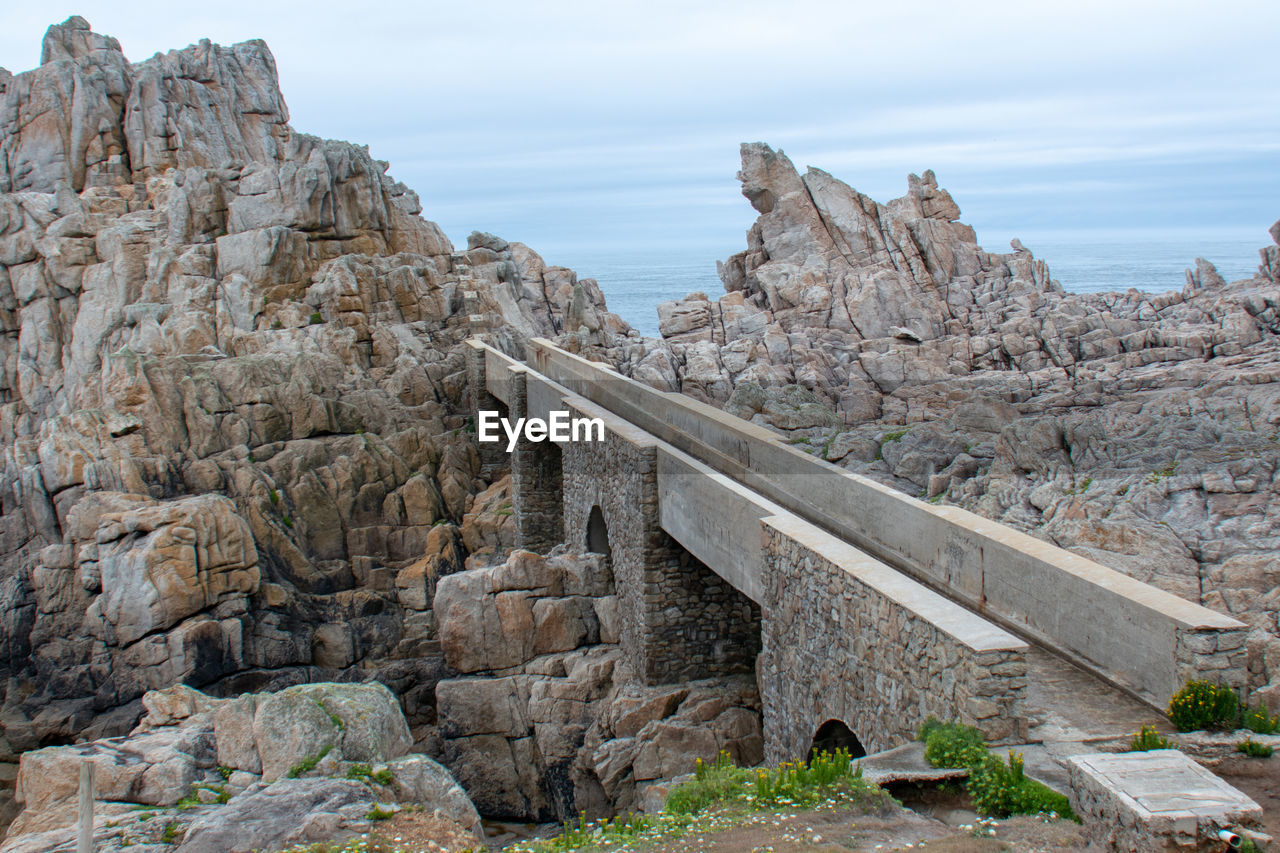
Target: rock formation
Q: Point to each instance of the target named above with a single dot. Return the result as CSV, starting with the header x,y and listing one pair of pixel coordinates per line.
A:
x,y
544,722
1142,430
255,772
236,454
234,451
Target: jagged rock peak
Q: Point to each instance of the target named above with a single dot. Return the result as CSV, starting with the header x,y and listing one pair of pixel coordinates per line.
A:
x,y
74,39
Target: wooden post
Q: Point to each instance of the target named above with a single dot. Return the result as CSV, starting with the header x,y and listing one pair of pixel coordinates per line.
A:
x,y
84,835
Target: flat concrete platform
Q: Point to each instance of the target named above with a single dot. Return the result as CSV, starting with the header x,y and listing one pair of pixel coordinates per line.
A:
x,y
1146,800
905,763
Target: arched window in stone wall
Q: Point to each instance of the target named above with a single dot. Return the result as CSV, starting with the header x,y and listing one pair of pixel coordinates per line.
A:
x,y
598,533
833,735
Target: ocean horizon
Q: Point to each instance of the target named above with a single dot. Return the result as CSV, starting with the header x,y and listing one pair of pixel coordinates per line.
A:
x,y
634,281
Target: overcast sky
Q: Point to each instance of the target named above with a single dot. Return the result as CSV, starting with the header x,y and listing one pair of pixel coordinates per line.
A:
x,y
617,124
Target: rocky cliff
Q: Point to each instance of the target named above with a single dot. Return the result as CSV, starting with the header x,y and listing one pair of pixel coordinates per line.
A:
x,y
234,453
1142,430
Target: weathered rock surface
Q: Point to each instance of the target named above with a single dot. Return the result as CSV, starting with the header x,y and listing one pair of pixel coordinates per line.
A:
x,y
347,747
232,447
1138,429
544,721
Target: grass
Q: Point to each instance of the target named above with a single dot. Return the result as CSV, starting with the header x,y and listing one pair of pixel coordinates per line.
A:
x,y
720,796
1147,739
306,765
316,319
1253,749
365,772
895,435
379,813
997,788
333,718
1163,473
172,832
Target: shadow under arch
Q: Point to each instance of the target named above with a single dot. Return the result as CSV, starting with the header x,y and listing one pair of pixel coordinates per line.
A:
x,y
833,735
598,533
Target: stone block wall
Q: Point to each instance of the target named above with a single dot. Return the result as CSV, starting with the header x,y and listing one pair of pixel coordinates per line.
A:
x,y
850,648
1220,656
536,482
679,619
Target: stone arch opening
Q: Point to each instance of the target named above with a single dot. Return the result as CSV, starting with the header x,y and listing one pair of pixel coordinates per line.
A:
x,y
598,533
833,735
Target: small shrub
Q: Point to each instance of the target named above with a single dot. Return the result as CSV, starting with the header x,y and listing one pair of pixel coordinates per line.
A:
x,y
316,319
1000,790
952,744
274,495
288,522
379,813
225,772
308,764
1253,748
1147,739
1204,705
364,771
171,833
1258,721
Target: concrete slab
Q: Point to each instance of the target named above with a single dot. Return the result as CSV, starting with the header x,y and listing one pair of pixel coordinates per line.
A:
x,y
905,763
1154,800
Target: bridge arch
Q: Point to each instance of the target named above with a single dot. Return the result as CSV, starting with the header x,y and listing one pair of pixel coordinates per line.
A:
x,y
598,533
835,734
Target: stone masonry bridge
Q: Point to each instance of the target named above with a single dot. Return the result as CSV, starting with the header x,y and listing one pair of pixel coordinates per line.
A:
x,y
862,609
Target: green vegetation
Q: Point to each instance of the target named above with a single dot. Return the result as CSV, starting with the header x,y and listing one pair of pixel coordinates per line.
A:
x,y
719,796
274,495
1163,473
1253,749
952,744
379,813
333,718
1258,721
1204,705
288,522
1147,739
996,788
225,772
1001,790
365,772
316,319
172,831
308,764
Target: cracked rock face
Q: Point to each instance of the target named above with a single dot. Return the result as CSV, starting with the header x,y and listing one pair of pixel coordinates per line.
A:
x,y
543,721
233,447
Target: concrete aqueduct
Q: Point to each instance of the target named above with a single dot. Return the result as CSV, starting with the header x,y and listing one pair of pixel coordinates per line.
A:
x,y
862,609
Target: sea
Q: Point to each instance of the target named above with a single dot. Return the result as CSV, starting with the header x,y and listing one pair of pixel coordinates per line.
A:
x,y
635,281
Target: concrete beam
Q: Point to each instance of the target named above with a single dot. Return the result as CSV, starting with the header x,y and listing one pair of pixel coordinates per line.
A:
x,y
1140,637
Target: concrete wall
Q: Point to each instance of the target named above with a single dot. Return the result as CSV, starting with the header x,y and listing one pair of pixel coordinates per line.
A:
x,y
848,638
1134,634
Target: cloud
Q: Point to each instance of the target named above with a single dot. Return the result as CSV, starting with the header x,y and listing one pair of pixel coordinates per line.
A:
x,y
603,122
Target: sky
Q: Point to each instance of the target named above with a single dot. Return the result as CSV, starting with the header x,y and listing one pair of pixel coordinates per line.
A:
x,y
616,125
